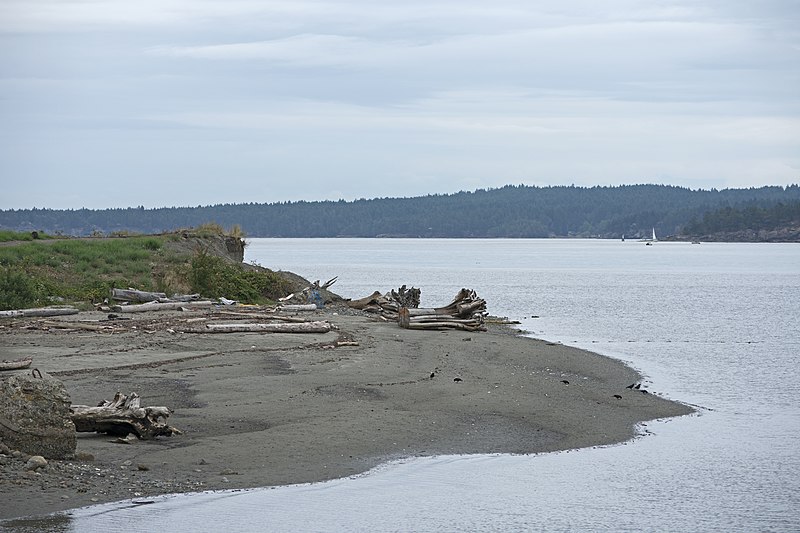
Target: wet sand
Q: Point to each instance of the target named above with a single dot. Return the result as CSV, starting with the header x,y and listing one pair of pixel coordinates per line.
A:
x,y
271,409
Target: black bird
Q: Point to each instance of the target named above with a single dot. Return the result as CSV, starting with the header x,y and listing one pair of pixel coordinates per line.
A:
x,y
617,396
433,375
638,386
457,379
645,392
632,385
565,382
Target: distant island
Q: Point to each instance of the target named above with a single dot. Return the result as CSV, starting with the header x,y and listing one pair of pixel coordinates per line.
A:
x,y
770,214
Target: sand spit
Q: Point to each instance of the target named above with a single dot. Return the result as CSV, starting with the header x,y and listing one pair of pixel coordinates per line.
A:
x,y
261,409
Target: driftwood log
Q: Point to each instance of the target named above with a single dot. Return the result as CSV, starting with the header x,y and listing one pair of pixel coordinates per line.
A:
x,y
282,327
133,295
366,301
16,364
298,307
155,306
123,415
74,325
388,305
43,311
260,316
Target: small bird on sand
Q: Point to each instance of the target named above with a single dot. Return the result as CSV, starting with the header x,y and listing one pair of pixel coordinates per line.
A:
x,y
645,392
457,379
632,385
433,375
638,386
565,382
617,396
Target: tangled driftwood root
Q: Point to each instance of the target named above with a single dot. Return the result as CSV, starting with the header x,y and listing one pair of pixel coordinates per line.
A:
x,y
123,415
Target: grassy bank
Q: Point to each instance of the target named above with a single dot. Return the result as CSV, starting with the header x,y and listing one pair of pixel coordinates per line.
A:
x,y
37,272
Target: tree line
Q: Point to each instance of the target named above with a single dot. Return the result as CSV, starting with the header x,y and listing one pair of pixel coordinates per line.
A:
x,y
513,211
749,217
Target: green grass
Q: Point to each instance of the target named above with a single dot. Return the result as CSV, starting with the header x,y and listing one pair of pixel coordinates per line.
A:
x,y
215,277
34,272
9,236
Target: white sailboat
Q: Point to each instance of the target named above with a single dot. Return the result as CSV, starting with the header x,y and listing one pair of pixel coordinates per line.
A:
x,y
649,242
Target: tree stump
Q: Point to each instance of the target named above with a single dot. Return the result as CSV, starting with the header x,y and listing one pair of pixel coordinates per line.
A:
x,y
123,415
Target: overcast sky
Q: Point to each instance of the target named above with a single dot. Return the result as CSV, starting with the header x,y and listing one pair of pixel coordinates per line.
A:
x,y
115,103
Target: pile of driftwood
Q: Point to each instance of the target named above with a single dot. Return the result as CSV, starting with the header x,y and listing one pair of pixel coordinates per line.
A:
x,y
123,415
388,305
134,296
466,312
135,301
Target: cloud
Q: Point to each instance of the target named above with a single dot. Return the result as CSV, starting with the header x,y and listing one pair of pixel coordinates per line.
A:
x,y
392,98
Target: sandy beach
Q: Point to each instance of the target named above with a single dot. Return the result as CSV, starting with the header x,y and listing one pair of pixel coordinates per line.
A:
x,y
261,409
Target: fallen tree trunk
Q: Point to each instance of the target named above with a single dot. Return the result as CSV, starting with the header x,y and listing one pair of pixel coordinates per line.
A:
x,y
388,304
184,298
444,325
143,308
132,295
43,311
298,307
16,364
262,316
75,325
361,303
123,415
293,327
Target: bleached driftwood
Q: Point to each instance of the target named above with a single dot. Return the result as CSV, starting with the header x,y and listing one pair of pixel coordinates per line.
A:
x,y
155,306
184,297
295,327
42,311
123,415
389,304
298,307
262,316
16,364
133,295
325,285
74,325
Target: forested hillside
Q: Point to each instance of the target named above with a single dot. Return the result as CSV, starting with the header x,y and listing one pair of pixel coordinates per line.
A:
x,y
511,211
780,222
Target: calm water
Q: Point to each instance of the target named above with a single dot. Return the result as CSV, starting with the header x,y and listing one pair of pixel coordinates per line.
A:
x,y
716,325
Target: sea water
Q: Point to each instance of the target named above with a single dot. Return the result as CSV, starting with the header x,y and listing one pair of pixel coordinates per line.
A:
x,y
714,325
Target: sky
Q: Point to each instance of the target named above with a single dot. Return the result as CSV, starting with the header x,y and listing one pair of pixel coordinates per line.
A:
x,y
112,103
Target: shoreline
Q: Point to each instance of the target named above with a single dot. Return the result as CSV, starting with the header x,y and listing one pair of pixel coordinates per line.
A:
x,y
262,410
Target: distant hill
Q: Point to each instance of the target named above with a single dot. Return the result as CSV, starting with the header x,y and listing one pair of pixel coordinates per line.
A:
x,y
510,212
751,223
